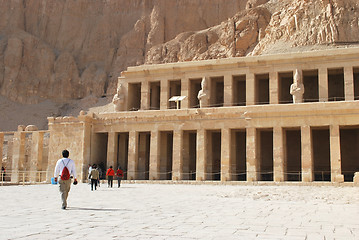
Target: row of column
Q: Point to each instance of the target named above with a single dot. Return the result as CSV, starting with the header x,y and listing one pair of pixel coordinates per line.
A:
x,y
18,154
250,89
252,161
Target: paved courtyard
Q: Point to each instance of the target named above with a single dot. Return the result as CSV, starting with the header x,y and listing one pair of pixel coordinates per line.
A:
x,y
180,211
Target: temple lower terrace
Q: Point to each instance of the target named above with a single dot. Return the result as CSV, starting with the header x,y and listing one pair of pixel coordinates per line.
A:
x,y
285,117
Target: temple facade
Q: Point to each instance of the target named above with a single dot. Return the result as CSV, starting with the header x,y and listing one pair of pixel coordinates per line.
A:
x,y
284,117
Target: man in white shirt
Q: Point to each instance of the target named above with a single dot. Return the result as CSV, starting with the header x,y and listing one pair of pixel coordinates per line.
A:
x,y
65,184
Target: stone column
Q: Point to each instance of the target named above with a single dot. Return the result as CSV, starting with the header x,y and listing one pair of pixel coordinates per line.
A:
x,y
226,160
250,89
132,155
185,92
273,88
18,155
201,164
307,154
1,149
112,148
252,152
145,95
155,155
164,94
335,158
349,83
279,165
86,147
323,84
36,155
228,91
177,167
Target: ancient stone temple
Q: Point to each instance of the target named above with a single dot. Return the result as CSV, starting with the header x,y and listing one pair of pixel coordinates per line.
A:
x,y
285,117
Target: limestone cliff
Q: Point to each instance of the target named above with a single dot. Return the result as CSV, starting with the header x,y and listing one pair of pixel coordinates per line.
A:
x,y
267,27
70,49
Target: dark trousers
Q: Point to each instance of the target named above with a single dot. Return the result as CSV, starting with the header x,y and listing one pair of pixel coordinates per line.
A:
x,y
119,181
94,183
110,180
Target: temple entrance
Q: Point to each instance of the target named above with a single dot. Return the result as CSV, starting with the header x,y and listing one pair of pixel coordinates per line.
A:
x,y
217,92
336,84
189,155
99,143
239,90
356,83
155,91
238,150
166,155
321,154
311,90
194,88
293,155
122,154
214,155
349,151
134,96
285,80
143,156
262,88
174,90
266,155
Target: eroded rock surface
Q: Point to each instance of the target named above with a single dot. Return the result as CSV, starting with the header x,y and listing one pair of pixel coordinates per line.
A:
x,y
267,27
69,49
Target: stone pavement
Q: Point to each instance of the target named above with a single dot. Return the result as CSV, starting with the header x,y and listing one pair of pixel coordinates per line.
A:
x,y
180,211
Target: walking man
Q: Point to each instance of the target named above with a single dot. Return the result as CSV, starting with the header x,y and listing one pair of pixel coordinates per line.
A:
x,y
119,174
110,173
94,176
65,167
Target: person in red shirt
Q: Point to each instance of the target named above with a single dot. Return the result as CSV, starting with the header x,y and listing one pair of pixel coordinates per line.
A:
x,y
110,173
119,174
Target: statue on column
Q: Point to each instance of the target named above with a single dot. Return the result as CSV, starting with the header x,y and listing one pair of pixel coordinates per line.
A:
x,y
203,94
119,98
297,88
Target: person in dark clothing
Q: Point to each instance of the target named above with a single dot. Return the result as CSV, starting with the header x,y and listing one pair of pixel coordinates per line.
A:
x,y
3,172
119,174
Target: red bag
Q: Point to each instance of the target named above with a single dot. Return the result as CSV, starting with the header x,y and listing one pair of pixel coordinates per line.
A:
x,y
65,175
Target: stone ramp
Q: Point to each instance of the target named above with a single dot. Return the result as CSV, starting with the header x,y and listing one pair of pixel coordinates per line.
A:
x,y
180,211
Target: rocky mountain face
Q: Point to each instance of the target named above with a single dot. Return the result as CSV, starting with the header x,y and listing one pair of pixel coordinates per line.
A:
x,y
267,27
70,49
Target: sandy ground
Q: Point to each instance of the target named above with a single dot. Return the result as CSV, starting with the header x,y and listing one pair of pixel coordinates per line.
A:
x,y
177,211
